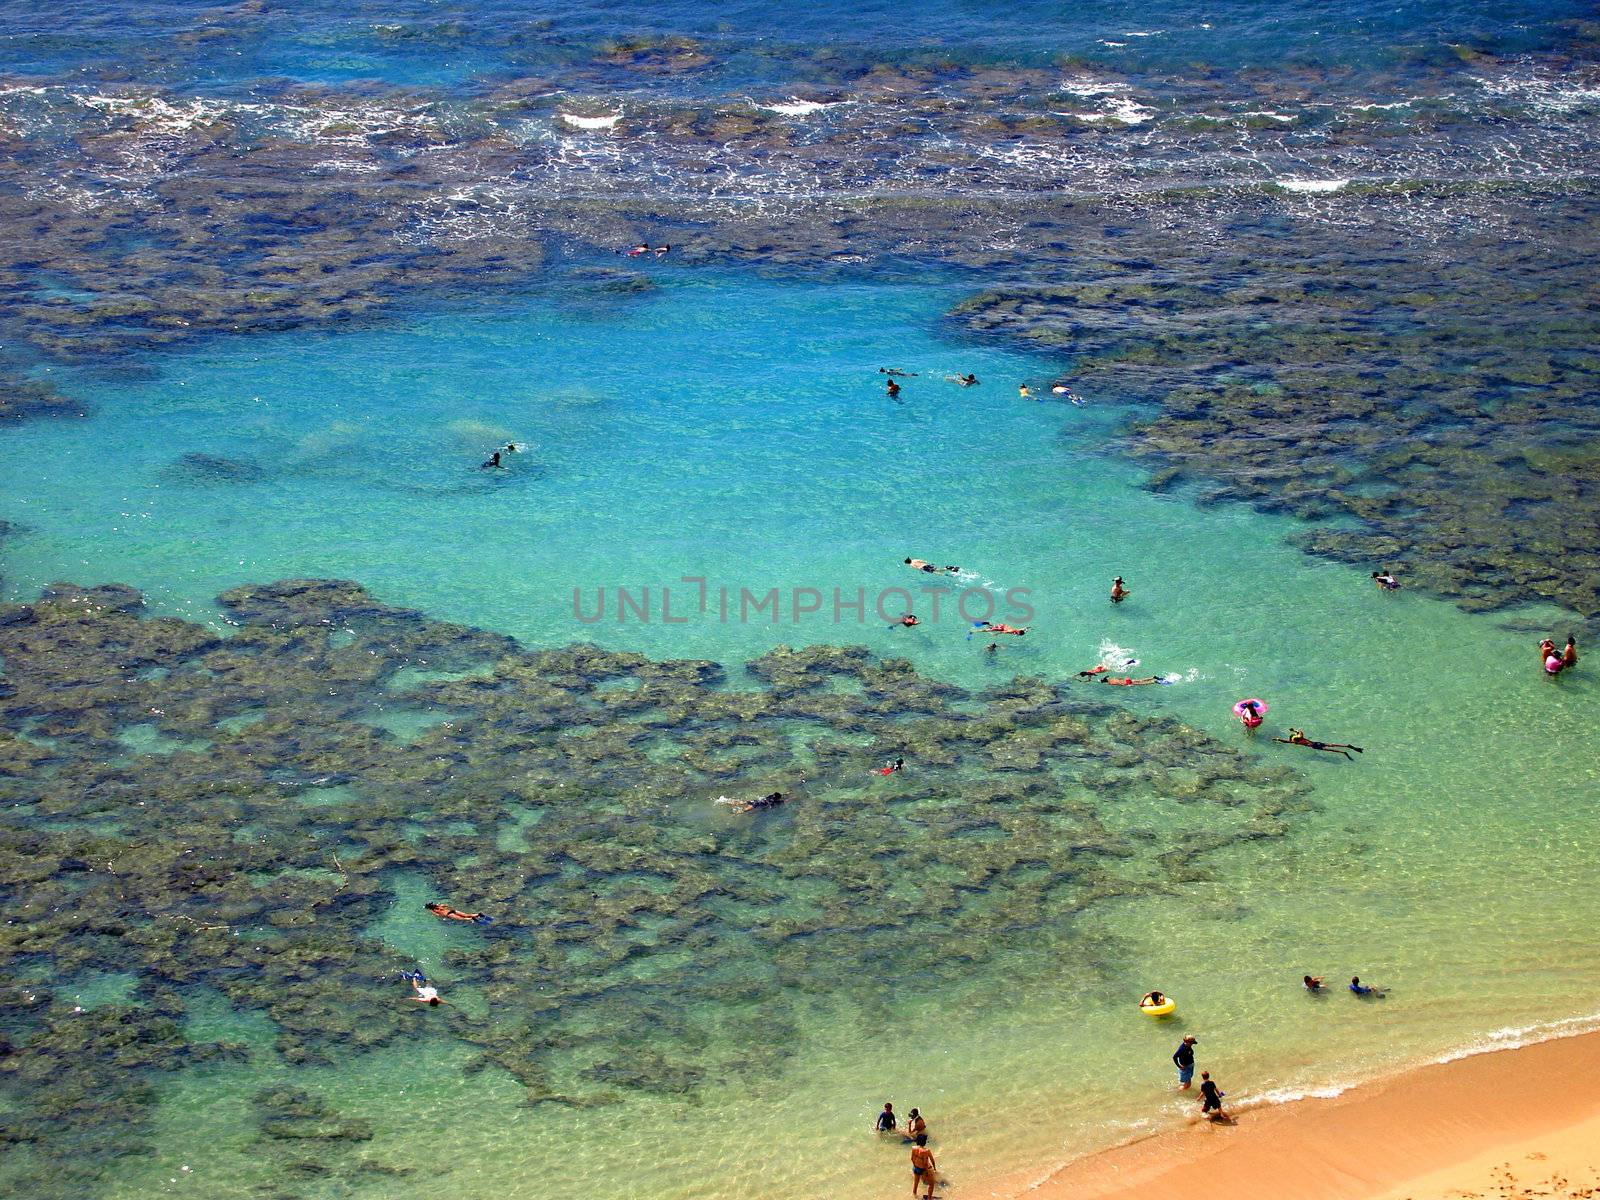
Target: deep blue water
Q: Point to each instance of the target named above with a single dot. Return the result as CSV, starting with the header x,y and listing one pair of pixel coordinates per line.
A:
x,y
461,44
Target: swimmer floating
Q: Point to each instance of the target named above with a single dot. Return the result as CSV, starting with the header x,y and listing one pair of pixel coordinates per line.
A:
x,y
1297,737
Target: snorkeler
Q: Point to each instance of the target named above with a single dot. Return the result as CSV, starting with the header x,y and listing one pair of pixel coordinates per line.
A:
x,y
425,993
446,913
1061,389
1119,591
1002,627
907,621
891,768
493,464
1386,581
1102,668
896,371
770,800
1129,682
641,248
1298,738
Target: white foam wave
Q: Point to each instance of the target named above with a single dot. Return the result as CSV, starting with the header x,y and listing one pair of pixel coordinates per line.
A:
x,y
578,122
1311,186
1120,109
795,107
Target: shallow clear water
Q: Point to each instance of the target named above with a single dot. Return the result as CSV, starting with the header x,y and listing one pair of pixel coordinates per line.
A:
x,y
175,170
737,430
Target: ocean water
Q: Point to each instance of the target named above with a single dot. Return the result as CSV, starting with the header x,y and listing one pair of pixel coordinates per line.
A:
x,y
742,435
688,421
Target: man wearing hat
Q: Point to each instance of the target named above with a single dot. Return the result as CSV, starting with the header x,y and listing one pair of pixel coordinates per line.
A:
x,y
1183,1056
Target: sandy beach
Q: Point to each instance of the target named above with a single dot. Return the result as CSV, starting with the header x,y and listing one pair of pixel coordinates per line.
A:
x,y
1508,1124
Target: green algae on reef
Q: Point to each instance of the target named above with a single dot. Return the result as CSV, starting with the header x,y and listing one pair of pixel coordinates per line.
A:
x,y
1440,415
570,796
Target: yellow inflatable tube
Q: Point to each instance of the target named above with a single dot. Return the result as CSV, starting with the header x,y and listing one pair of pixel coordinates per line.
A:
x,y
1166,1008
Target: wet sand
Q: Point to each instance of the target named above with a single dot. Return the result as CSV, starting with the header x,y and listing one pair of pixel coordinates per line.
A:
x,y
1512,1123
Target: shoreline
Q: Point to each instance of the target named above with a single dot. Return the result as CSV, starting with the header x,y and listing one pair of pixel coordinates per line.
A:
x,y
1512,1122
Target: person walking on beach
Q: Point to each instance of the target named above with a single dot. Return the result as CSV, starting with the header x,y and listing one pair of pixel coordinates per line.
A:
x,y
924,1169
1211,1099
886,1120
1183,1059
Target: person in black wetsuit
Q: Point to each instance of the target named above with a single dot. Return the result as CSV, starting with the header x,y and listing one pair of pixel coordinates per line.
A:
x,y
1183,1058
1210,1098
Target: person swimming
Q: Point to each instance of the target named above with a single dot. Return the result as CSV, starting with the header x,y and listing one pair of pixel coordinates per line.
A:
x,y
446,913
891,768
1363,989
893,389
921,564
663,249
1312,983
1002,627
908,621
896,371
425,994
963,380
1061,389
1129,682
770,800
1385,581
493,463
1023,393
1102,668
641,248
1119,591
1297,737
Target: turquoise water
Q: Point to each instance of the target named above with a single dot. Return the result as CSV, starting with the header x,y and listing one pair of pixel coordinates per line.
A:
x,y
737,430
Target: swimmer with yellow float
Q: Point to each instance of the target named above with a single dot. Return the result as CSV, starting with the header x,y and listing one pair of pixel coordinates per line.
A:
x,y
1155,1004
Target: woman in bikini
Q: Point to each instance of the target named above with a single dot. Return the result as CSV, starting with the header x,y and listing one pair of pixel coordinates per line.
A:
x,y
923,1168
445,913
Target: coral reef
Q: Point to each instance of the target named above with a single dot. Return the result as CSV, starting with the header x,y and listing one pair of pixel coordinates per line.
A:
x,y
570,796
